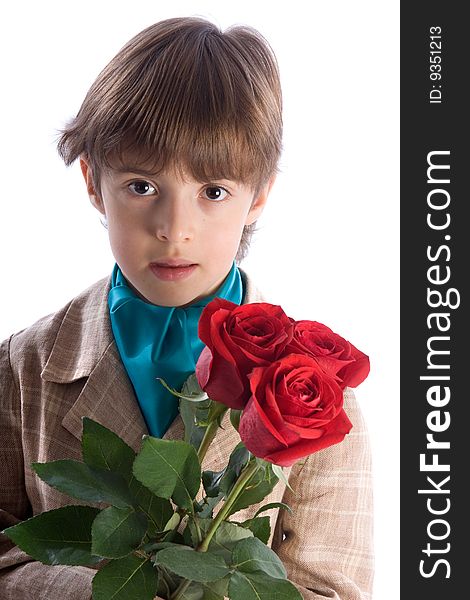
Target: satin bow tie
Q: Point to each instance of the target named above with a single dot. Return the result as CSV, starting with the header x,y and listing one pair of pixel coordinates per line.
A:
x,y
160,341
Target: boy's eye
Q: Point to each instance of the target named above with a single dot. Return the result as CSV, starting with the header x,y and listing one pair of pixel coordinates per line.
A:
x,y
215,192
142,188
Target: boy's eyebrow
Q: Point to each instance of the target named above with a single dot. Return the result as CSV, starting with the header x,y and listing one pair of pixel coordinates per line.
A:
x,y
142,171
131,169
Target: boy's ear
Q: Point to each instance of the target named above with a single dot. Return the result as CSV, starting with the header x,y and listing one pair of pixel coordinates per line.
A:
x,y
87,173
259,202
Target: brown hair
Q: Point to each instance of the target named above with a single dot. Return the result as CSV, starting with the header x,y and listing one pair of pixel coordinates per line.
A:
x,y
184,94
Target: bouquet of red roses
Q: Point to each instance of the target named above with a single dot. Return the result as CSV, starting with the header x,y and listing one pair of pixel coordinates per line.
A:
x,y
156,521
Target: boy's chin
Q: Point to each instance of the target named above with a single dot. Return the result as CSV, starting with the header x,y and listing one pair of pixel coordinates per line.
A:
x,y
179,293
175,298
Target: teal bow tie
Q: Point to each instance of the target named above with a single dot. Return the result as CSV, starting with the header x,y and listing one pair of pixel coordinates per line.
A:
x,y
160,341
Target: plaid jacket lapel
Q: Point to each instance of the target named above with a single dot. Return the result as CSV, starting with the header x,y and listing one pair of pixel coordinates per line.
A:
x,y
108,397
85,347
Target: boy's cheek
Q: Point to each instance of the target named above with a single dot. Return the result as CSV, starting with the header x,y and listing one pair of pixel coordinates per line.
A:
x,y
226,242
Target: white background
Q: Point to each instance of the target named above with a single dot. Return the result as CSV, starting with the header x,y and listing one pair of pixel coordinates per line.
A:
x,y
331,225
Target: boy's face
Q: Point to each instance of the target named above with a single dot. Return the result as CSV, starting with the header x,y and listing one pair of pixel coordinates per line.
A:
x,y
156,220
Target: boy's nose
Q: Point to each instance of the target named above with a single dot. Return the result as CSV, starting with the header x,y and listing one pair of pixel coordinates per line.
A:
x,y
174,224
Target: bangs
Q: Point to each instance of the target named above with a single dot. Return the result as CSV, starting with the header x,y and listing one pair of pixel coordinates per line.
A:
x,y
213,153
183,95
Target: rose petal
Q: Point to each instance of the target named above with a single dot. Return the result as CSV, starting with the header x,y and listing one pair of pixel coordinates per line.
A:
x,y
295,405
204,324
222,383
287,457
254,434
354,374
203,367
269,412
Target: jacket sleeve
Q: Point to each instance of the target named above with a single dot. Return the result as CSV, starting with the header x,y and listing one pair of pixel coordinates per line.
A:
x,y
326,543
21,576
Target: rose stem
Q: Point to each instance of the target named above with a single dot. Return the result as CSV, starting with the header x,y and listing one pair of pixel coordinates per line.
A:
x,y
245,476
183,586
209,435
211,431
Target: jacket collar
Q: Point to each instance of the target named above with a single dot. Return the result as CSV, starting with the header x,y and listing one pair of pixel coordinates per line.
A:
x,y
85,333
85,347
83,337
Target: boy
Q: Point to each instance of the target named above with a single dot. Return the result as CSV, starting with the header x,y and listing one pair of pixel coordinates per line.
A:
x,y
178,141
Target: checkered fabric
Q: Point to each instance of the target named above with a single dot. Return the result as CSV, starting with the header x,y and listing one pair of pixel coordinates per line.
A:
x,y
66,366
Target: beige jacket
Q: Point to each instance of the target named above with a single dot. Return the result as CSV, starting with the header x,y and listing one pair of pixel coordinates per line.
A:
x,y
67,366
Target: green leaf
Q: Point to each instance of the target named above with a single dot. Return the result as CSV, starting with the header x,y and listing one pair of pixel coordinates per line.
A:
x,y
152,546
217,411
103,449
129,578
57,537
169,468
252,555
260,526
273,505
116,532
191,392
193,414
195,591
214,590
260,486
190,564
216,482
226,537
158,510
211,482
279,472
190,534
173,522
171,536
238,459
191,387
206,506
235,418
167,582
85,483
259,586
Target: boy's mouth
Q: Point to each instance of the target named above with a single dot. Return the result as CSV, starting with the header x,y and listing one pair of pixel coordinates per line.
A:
x,y
172,269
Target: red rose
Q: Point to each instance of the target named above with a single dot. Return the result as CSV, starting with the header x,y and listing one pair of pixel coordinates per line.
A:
x,y
295,409
238,338
333,353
